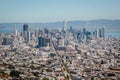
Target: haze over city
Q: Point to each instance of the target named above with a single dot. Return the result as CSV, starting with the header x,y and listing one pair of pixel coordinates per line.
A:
x,y
59,40
57,10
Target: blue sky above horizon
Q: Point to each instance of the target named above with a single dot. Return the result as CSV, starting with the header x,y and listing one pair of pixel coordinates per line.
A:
x,y
57,10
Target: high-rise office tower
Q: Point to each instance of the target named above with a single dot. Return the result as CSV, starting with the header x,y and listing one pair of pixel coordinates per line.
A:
x,y
84,30
88,36
42,42
84,34
26,33
71,28
64,26
65,33
28,36
46,31
25,27
79,37
95,34
103,32
15,31
100,33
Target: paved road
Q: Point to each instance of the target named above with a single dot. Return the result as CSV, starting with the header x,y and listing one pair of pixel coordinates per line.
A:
x,y
64,68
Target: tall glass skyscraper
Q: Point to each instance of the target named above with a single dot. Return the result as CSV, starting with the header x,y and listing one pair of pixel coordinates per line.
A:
x,y
102,33
42,42
25,27
26,33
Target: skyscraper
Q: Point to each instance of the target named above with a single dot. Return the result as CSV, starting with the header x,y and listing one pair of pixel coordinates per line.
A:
x,y
15,31
95,34
103,32
84,30
84,34
25,27
88,36
100,33
28,36
65,31
42,42
79,37
64,26
71,28
46,31
26,33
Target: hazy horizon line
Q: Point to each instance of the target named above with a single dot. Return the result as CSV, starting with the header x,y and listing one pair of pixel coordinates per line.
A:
x,y
55,21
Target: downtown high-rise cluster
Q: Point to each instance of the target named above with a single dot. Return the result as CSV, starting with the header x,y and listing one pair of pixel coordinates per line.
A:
x,y
59,54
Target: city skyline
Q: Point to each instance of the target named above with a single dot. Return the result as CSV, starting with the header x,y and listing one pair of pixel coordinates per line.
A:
x,y
66,54
53,10
59,40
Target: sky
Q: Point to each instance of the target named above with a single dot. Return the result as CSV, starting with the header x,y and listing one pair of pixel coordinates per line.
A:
x,y
57,10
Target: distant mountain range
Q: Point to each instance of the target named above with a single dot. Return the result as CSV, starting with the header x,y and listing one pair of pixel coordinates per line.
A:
x,y
109,25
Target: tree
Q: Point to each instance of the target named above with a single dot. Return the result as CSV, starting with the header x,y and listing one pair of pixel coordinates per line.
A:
x,y
32,67
14,73
35,74
45,78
